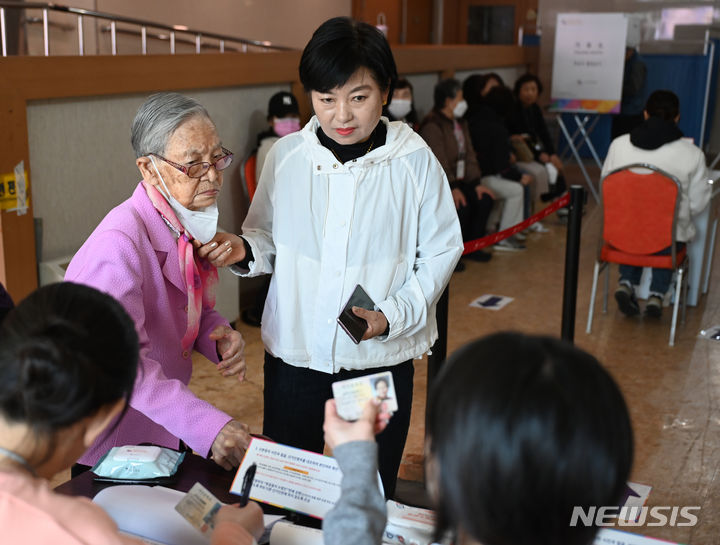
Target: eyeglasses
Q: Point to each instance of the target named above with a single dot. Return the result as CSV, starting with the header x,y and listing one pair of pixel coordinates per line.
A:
x,y
198,169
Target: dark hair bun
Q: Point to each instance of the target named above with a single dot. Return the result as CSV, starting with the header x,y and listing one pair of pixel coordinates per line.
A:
x,y
66,351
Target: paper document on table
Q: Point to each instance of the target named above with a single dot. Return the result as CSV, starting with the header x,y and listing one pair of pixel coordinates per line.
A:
x,y
291,478
406,524
148,513
608,536
286,533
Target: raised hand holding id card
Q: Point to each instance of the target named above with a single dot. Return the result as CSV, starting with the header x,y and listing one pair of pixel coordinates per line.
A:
x,y
352,395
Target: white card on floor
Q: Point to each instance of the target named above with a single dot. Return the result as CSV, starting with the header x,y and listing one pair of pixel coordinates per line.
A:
x,y
352,395
491,302
636,495
198,507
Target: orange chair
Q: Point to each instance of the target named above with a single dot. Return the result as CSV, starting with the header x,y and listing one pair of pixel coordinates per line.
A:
x,y
247,173
639,214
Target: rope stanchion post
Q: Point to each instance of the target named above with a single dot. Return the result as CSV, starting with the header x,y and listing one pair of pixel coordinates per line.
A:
x,y
572,258
439,349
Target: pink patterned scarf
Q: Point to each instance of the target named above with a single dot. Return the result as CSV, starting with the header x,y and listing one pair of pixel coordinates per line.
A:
x,y
200,276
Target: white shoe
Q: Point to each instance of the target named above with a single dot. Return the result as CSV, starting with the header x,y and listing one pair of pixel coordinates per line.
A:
x,y
510,245
538,227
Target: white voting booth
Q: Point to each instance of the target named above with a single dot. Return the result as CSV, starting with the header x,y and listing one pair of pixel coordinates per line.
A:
x,y
587,75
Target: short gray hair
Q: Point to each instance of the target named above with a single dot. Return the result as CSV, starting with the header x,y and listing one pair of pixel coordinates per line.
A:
x,y
159,116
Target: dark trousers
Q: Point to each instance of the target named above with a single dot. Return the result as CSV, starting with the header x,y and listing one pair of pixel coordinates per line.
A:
x,y
295,409
661,278
474,216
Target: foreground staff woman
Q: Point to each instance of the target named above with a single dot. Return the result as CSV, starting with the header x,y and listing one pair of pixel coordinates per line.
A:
x,y
68,362
521,431
142,254
350,199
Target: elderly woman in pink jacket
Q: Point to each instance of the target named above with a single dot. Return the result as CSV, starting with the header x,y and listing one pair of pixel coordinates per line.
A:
x,y
143,254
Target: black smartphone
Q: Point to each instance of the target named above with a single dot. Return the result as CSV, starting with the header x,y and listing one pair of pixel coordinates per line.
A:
x,y
353,325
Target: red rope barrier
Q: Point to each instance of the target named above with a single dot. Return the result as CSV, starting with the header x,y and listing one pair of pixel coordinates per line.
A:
x,y
480,243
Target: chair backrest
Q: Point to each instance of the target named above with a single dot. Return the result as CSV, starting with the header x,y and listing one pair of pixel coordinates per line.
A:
x,y
640,204
248,175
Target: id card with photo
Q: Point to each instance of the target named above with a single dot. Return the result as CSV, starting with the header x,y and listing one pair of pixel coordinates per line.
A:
x,y
352,395
199,507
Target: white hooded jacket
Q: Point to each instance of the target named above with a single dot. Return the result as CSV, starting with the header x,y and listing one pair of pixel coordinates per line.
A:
x,y
385,221
680,158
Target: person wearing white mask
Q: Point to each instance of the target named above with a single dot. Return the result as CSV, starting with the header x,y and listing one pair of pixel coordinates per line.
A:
x,y
143,254
448,136
283,119
401,106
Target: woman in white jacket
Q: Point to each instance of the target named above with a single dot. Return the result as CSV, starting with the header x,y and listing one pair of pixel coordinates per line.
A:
x,y
350,199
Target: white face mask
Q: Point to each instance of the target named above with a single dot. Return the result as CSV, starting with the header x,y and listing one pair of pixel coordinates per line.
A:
x,y
460,109
201,224
400,107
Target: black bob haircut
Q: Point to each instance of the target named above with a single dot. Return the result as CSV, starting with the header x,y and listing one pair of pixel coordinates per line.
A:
x,y
663,104
521,430
66,351
445,89
527,78
338,48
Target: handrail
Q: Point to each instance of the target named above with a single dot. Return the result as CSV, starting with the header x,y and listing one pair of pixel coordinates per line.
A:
x,y
114,19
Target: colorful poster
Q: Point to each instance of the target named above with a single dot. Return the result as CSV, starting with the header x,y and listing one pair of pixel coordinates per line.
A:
x,y
588,62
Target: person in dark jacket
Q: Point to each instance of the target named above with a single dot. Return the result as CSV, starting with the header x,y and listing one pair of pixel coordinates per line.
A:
x,y
447,135
490,137
527,123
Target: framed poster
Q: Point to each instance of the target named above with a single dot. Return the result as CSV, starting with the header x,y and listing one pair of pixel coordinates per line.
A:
x,y
588,62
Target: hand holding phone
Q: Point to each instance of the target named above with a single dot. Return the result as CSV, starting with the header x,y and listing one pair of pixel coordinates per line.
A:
x,y
353,325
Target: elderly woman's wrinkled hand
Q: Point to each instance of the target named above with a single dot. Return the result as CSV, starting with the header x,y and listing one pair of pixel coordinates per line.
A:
x,y
373,420
223,250
231,348
230,444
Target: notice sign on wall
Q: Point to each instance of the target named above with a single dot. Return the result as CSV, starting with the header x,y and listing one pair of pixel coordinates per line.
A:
x,y
588,62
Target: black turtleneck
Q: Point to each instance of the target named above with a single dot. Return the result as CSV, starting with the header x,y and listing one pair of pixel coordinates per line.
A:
x,y
348,152
655,132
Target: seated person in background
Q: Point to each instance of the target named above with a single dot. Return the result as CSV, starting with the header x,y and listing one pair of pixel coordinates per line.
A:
x,y
284,118
482,85
401,106
487,81
447,134
143,254
497,403
490,138
527,124
68,362
660,143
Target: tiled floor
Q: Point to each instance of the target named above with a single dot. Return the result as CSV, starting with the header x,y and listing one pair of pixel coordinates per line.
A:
x,y
672,392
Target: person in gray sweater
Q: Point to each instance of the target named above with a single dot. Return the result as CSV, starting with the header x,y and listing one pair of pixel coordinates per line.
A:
x,y
522,432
